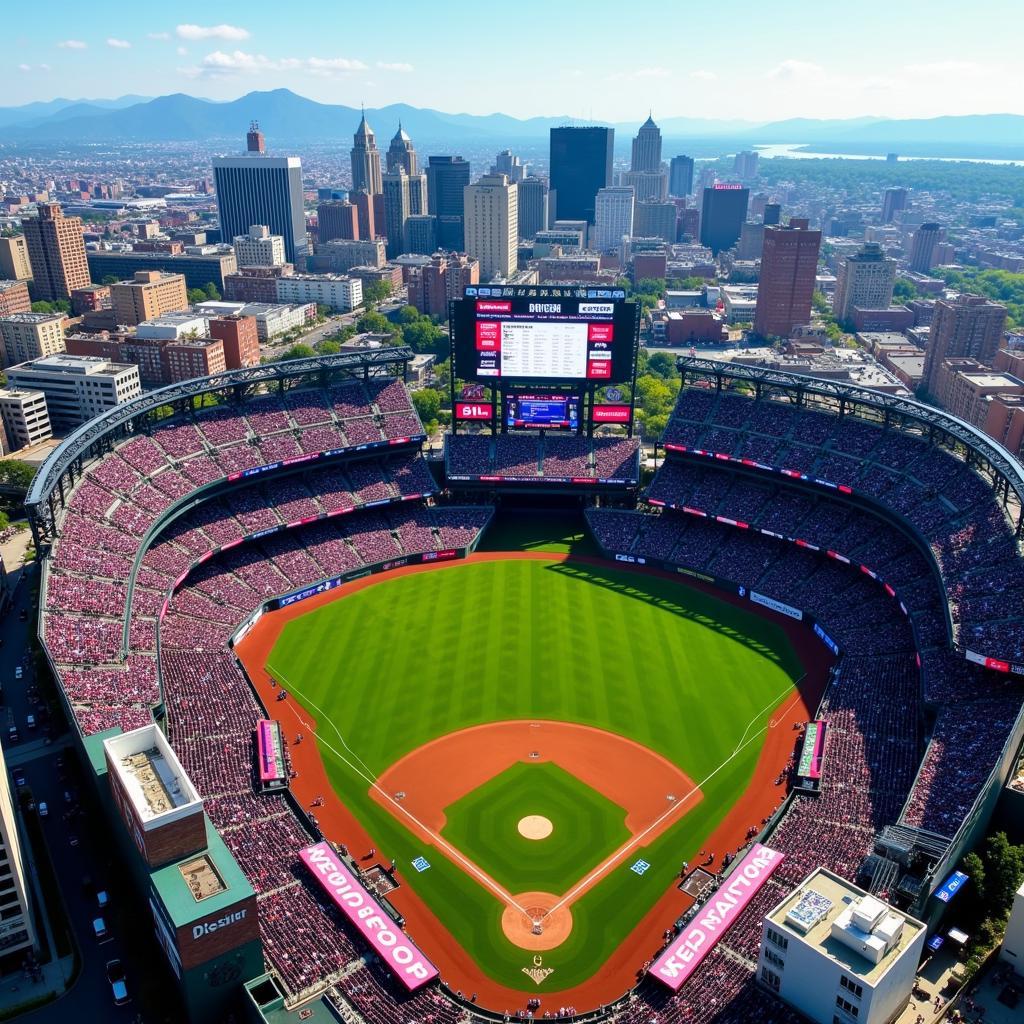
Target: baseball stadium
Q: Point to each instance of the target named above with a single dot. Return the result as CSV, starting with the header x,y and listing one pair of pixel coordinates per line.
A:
x,y
478,734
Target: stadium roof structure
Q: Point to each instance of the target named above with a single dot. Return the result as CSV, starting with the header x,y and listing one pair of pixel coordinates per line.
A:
x,y
981,450
57,475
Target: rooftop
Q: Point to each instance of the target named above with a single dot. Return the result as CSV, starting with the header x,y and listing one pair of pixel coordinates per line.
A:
x,y
32,318
64,363
846,925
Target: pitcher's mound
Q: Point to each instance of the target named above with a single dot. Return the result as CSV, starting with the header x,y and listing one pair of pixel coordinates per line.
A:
x,y
535,826
518,926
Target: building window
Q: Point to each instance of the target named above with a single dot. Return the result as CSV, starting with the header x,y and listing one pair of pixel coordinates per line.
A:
x,y
776,938
773,958
847,1007
851,986
771,979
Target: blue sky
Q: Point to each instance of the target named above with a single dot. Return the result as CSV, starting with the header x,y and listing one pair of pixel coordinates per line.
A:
x,y
748,59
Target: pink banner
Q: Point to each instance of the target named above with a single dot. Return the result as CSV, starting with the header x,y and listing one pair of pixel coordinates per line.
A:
x,y
269,770
699,937
409,965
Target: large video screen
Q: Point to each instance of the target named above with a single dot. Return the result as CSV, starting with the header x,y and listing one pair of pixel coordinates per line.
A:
x,y
550,412
543,340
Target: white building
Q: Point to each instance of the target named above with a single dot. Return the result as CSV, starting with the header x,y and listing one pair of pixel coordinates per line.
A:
x,y
492,225
77,388
32,335
25,417
613,216
16,929
273,319
740,302
1013,942
839,955
334,290
172,326
259,248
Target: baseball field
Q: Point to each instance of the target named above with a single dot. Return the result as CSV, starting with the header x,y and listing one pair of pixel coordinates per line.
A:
x,y
539,743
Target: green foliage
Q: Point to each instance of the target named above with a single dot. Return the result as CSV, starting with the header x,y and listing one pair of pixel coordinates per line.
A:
x,y
328,347
375,323
655,397
211,291
424,336
375,292
903,290
1000,285
299,351
406,315
16,474
5,520
108,279
196,295
428,404
974,867
57,306
662,364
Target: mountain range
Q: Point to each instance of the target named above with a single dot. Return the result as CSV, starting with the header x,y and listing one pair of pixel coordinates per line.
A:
x,y
286,117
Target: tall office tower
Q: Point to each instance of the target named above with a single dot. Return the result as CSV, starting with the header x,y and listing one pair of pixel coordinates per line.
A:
x,y
258,189
647,148
56,252
723,211
865,281
401,154
418,202
396,210
506,162
18,930
922,249
648,186
968,326
365,160
655,220
363,202
337,220
894,201
789,265
421,233
255,141
581,163
14,262
492,225
680,176
533,206
744,165
614,217
447,178
772,213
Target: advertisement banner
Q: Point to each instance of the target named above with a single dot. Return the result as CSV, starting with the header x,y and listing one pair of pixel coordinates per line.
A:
x,y
393,946
776,606
473,410
951,886
611,414
700,936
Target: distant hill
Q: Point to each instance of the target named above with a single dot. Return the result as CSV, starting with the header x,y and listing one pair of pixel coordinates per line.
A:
x,y
289,119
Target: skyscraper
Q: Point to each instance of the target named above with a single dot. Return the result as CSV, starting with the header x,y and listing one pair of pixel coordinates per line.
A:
x,y
533,206
723,211
363,202
922,249
447,178
258,189
506,162
865,281
968,326
421,233
680,176
772,213
647,148
401,153
396,210
655,220
337,220
492,221
613,216
14,263
744,165
789,265
581,163
648,186
418,202
255,140
56,252
894,200
365,160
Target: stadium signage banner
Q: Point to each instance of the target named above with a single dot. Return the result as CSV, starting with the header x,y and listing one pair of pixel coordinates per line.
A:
x,y
393,946
611,414
776,606
826,639
951,886
474,410
715,917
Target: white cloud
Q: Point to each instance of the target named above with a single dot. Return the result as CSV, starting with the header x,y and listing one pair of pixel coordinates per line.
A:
x,y
232,32
704,76
44,67
24,67
72,44
400,66
639,73
219,64
158,35
119,44
796,69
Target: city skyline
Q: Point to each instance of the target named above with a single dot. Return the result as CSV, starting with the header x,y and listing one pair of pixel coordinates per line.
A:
x,y
761,68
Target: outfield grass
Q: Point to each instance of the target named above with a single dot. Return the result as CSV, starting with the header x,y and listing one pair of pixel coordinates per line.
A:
x,y
588,828
406,660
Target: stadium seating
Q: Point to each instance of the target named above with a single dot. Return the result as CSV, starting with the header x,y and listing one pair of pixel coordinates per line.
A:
x,y
532,457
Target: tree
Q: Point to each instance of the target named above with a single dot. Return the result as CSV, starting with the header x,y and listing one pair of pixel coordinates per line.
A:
x,y
296,352
423,336
211,291
662,364
16,474
328,347
427,402
406,315
197,295
5,520
373,322
974,867
108,279
375,291
1004,872
903,290
43,307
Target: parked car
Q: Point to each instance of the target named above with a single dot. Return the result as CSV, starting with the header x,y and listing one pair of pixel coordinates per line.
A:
x,y
30,721
19,777
99,929
19,672
118,988
43,809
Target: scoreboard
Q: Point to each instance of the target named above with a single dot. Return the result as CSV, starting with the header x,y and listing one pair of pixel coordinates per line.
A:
x,y
543,340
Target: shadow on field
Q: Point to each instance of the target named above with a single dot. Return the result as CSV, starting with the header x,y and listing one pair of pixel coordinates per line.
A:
x,y
687,606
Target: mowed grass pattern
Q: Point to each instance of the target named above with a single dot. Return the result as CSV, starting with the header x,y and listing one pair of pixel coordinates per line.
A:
x,y
483,825
392,666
